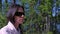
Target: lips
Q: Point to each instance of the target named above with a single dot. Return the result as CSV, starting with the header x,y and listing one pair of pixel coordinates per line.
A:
x,y
21,20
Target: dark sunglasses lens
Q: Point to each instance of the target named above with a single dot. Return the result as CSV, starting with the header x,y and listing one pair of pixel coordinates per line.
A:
x,y
19,13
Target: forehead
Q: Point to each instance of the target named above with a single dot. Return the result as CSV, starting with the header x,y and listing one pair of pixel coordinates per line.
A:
x,y
20,9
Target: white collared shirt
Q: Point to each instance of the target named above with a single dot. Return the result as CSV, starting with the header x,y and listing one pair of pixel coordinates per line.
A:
x,y
9,29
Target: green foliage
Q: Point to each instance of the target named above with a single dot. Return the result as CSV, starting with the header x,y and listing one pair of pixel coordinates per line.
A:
x,y
2,20
49,33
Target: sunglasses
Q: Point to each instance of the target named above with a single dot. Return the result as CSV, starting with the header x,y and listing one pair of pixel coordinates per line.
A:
x,y
19,13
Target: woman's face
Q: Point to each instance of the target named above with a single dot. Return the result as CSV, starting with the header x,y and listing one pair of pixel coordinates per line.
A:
x,y
19,17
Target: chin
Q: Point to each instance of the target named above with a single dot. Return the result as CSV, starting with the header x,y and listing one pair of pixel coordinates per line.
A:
x,y
20,22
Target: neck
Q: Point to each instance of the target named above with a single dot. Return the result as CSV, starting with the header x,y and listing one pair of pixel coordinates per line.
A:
x,y
16,25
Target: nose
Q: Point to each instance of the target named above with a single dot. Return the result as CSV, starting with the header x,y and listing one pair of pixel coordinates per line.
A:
x,y
22,16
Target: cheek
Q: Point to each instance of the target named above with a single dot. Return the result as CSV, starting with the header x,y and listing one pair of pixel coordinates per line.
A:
x,y
16,19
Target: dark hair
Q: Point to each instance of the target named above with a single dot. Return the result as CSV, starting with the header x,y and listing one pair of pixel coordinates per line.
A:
x,y
11,12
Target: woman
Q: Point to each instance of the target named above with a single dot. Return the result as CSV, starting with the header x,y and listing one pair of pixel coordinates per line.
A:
x,y
15,17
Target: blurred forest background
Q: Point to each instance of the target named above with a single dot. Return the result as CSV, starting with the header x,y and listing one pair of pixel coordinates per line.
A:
x,y
41,16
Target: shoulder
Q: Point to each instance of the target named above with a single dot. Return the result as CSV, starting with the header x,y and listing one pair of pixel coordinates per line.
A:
x,y
3,30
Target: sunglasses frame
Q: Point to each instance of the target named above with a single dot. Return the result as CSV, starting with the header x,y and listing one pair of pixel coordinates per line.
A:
x,y
19,13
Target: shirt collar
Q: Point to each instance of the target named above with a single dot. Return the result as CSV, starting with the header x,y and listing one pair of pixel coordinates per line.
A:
x,y
11,26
